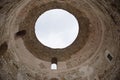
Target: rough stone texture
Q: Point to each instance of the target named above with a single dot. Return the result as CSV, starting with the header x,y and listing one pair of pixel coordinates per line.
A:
x,y
25,58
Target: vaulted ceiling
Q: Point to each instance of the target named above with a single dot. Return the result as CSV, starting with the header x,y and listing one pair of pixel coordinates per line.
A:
x,y
94,55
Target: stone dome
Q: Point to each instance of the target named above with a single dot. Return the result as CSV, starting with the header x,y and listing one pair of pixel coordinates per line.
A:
x,y
94,55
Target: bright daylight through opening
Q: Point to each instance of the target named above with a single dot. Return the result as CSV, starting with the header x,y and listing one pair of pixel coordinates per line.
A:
x,y
53,66
56,28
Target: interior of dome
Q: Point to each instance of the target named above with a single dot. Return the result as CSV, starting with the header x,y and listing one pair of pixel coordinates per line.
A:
x,y
93,55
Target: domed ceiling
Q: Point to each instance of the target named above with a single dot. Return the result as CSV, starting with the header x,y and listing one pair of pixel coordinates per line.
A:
x,y
94,55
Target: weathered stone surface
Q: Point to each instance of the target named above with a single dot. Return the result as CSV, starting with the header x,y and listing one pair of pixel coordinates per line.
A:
x,y
22,57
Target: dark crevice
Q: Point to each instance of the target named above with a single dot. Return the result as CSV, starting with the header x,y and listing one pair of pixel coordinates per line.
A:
x,y
1,7
116,5
109,57
113,18
54,60
20,33
3,48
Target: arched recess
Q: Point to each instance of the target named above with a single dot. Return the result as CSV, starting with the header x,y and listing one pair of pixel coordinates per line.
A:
x,y
3,48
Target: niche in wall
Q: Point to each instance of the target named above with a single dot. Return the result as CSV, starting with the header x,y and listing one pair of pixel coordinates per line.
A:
x,y
3,48
54,63
20,33
108,55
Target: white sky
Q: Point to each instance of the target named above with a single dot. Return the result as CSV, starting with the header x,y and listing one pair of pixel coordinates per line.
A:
x,y
56,28
54,66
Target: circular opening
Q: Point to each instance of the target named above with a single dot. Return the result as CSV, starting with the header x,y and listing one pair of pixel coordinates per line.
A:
x,y
56,28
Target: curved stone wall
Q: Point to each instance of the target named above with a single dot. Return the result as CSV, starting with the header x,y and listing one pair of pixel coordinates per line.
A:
x,y
95,54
